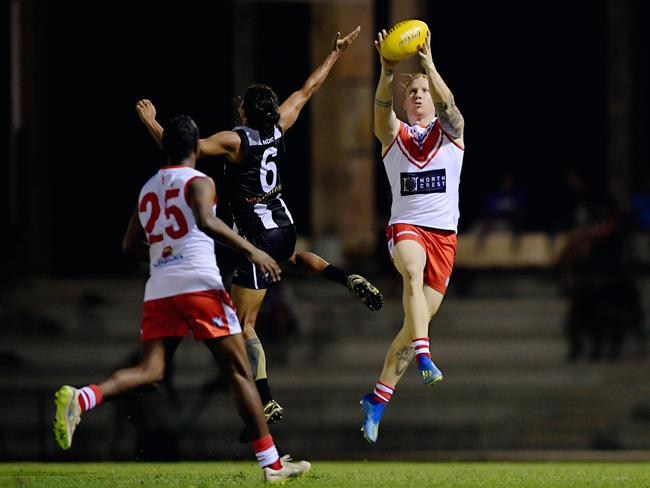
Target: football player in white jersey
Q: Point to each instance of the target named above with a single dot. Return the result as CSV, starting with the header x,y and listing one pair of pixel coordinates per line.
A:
x,y
423,159
255,152
176,211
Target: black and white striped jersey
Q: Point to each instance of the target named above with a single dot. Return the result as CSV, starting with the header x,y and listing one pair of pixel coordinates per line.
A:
x,y
255,187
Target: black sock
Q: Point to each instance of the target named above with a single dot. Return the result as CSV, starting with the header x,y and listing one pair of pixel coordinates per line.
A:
x,y
264,390
336,274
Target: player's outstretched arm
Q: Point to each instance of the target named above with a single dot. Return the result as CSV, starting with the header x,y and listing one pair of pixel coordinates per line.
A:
x,y
291,107
147,113
201,195
451,120
224,143
134,241
386,122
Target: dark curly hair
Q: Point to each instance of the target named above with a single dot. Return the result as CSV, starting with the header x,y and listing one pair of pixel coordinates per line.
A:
x,y
180,138
260,106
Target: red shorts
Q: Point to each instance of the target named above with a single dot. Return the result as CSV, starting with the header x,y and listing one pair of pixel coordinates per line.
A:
x,y
440,246
208,314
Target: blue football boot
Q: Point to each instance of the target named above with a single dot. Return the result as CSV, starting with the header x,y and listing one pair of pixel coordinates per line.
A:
x,y
372,412
428,371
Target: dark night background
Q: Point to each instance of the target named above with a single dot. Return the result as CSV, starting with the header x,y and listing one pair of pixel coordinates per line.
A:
x,y
543,334
531,80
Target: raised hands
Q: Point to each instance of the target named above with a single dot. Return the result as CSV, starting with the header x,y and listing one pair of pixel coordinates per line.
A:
x,y
341,45
146,110
424,53
386,64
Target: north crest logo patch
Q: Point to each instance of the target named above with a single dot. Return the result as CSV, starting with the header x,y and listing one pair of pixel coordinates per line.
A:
x,y
434,181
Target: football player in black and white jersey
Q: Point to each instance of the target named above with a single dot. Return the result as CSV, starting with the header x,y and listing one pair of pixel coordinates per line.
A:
x,y
255,151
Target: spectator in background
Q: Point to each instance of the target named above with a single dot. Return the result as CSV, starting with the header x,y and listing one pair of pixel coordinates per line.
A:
x,y
605,306
504,209
641,208
571,202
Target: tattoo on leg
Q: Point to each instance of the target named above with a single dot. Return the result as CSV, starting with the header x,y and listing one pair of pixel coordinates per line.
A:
x,y
404,357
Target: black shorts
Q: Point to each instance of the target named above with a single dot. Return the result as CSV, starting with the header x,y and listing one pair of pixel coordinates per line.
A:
x,y
278,243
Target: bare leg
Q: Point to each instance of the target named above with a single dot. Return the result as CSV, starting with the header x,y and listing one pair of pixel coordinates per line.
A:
x,y
399,356
400,353
365,291
248,302
434,300
308,261
410,259
420,304
68,400
230,355
150,369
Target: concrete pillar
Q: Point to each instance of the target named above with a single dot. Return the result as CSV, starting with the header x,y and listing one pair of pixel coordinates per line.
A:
x,y
619,161
27,181
342,144
244,38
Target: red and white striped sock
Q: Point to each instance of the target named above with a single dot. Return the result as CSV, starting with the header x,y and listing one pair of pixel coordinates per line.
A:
x,y
89,397
383,392
266,453
421,346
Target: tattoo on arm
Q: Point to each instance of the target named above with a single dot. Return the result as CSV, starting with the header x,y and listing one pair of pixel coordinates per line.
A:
x,y
450,118
382,103
404,357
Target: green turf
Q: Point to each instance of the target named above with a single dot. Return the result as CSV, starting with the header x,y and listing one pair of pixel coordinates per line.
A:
x,y
330,474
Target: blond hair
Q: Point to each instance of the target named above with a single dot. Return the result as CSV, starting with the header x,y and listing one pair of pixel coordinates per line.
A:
x,y
406,80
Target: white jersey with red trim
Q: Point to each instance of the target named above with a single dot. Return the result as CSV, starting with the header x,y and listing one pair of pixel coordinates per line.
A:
x,y
181,257
423,166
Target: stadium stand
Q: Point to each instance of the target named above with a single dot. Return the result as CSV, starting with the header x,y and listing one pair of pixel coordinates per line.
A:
x,y
502,349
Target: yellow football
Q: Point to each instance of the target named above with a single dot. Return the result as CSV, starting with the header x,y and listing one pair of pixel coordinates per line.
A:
x,y
404,39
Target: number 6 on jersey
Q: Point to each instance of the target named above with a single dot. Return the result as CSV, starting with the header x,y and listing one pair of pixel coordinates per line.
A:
x,y
267,166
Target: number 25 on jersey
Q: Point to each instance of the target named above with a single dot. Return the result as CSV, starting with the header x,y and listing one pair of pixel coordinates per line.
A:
x,y
150,203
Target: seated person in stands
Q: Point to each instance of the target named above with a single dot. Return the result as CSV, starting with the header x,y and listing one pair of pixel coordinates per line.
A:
x,y
504,209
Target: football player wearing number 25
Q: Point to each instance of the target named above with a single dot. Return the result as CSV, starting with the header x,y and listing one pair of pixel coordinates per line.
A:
x,y
176,213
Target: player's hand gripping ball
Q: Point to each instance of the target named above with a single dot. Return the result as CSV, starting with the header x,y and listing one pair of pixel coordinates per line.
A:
x,y
404,39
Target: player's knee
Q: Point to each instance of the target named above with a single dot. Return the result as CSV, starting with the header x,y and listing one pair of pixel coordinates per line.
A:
x,y
238,372
242,372
246,319
413,274
153,372
248,329
432,313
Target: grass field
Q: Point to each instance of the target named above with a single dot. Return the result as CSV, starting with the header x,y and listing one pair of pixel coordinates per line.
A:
x,y
329,474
